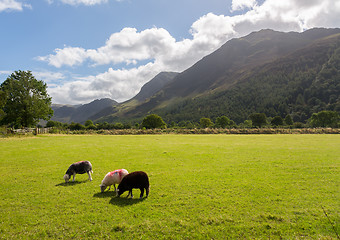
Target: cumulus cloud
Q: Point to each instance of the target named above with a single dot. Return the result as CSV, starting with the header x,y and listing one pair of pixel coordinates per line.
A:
x,y
242,4
51,78
114,84
146,53
13,5
68,56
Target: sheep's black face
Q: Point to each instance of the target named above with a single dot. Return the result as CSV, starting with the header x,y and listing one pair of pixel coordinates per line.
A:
x,y
121,190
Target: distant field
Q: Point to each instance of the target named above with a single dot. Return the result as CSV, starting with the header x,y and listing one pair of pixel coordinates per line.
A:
x,y
202,187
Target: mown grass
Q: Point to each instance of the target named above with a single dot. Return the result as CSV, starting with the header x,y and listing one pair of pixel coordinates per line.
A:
x,y
202,187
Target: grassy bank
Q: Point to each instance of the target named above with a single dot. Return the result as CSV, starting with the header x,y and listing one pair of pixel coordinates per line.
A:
x,y
202,187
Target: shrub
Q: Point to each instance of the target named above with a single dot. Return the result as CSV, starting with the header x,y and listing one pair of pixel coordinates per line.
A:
x,y
153,121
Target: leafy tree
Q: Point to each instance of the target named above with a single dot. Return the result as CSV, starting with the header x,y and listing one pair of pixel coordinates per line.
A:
x,y
258,119
247,123
222,122
54,124
153,121
118,126
289,120
277,121
89,124
2,104
205,122
27,100
325,119
76,126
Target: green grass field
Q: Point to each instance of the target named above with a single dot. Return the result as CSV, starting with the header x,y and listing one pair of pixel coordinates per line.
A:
x,y
202,187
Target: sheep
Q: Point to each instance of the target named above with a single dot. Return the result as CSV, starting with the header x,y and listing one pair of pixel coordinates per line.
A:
x,y
113,178
137,179
80,168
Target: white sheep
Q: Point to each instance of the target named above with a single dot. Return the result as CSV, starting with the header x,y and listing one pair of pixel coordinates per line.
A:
x,y
113,178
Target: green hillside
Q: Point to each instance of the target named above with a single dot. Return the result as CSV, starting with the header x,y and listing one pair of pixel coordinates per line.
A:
x,y
267,71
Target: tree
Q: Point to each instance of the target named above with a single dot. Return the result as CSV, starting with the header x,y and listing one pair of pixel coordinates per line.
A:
x,y
2,104
222,122
325,119
89,124
76,126
54,124
289,120
26,100
205,122
277,121
153,121
258,119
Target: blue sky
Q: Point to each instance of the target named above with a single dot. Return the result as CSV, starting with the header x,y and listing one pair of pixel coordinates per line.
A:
x,y
91,49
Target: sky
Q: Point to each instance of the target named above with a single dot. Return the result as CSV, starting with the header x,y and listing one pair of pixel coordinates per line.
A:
x,y
92,49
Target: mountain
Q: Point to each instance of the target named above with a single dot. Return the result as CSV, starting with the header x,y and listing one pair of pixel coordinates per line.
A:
x,y
154,85
147,91
80,113
267,71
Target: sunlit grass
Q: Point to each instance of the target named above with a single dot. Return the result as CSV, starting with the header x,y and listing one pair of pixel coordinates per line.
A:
x,y
202,187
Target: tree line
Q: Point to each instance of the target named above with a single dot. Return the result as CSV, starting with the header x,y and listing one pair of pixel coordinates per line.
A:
x,y
256,120
24,101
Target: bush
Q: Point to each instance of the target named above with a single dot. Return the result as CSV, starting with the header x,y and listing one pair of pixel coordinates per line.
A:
x,y
277,121
205,123
76,126
325,119
153,121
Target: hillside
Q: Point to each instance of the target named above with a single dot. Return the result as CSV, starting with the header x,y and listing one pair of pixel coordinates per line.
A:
x,y
267,71
154,85
80,113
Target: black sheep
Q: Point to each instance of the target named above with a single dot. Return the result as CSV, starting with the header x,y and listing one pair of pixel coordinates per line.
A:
x,y
78,168
137,179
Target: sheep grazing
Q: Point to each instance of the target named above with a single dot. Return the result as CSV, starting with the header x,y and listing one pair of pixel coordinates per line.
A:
x,y
78,168
113,178
137,179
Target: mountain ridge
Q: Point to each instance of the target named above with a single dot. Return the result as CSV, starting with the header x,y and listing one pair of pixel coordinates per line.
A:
x,y
277,73
79,113
225,69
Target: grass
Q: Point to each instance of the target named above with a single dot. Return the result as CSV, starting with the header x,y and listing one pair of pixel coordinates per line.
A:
x,y
202,187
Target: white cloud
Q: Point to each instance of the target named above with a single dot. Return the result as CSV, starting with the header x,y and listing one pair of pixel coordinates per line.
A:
x,y
49,77
13,5
162,52
68,56
114,84
242,4
5,72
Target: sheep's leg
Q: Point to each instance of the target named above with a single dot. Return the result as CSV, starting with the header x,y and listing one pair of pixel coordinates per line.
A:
x,y
89,173
109,188
130,193
147,192
74,175
115,187
141,193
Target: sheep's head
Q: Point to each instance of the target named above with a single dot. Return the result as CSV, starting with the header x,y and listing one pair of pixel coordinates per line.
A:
x,y
121,189
102,187
66,178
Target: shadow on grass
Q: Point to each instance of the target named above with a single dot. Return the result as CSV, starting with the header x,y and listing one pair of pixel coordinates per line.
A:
x,y
123,201
105,194
64,184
